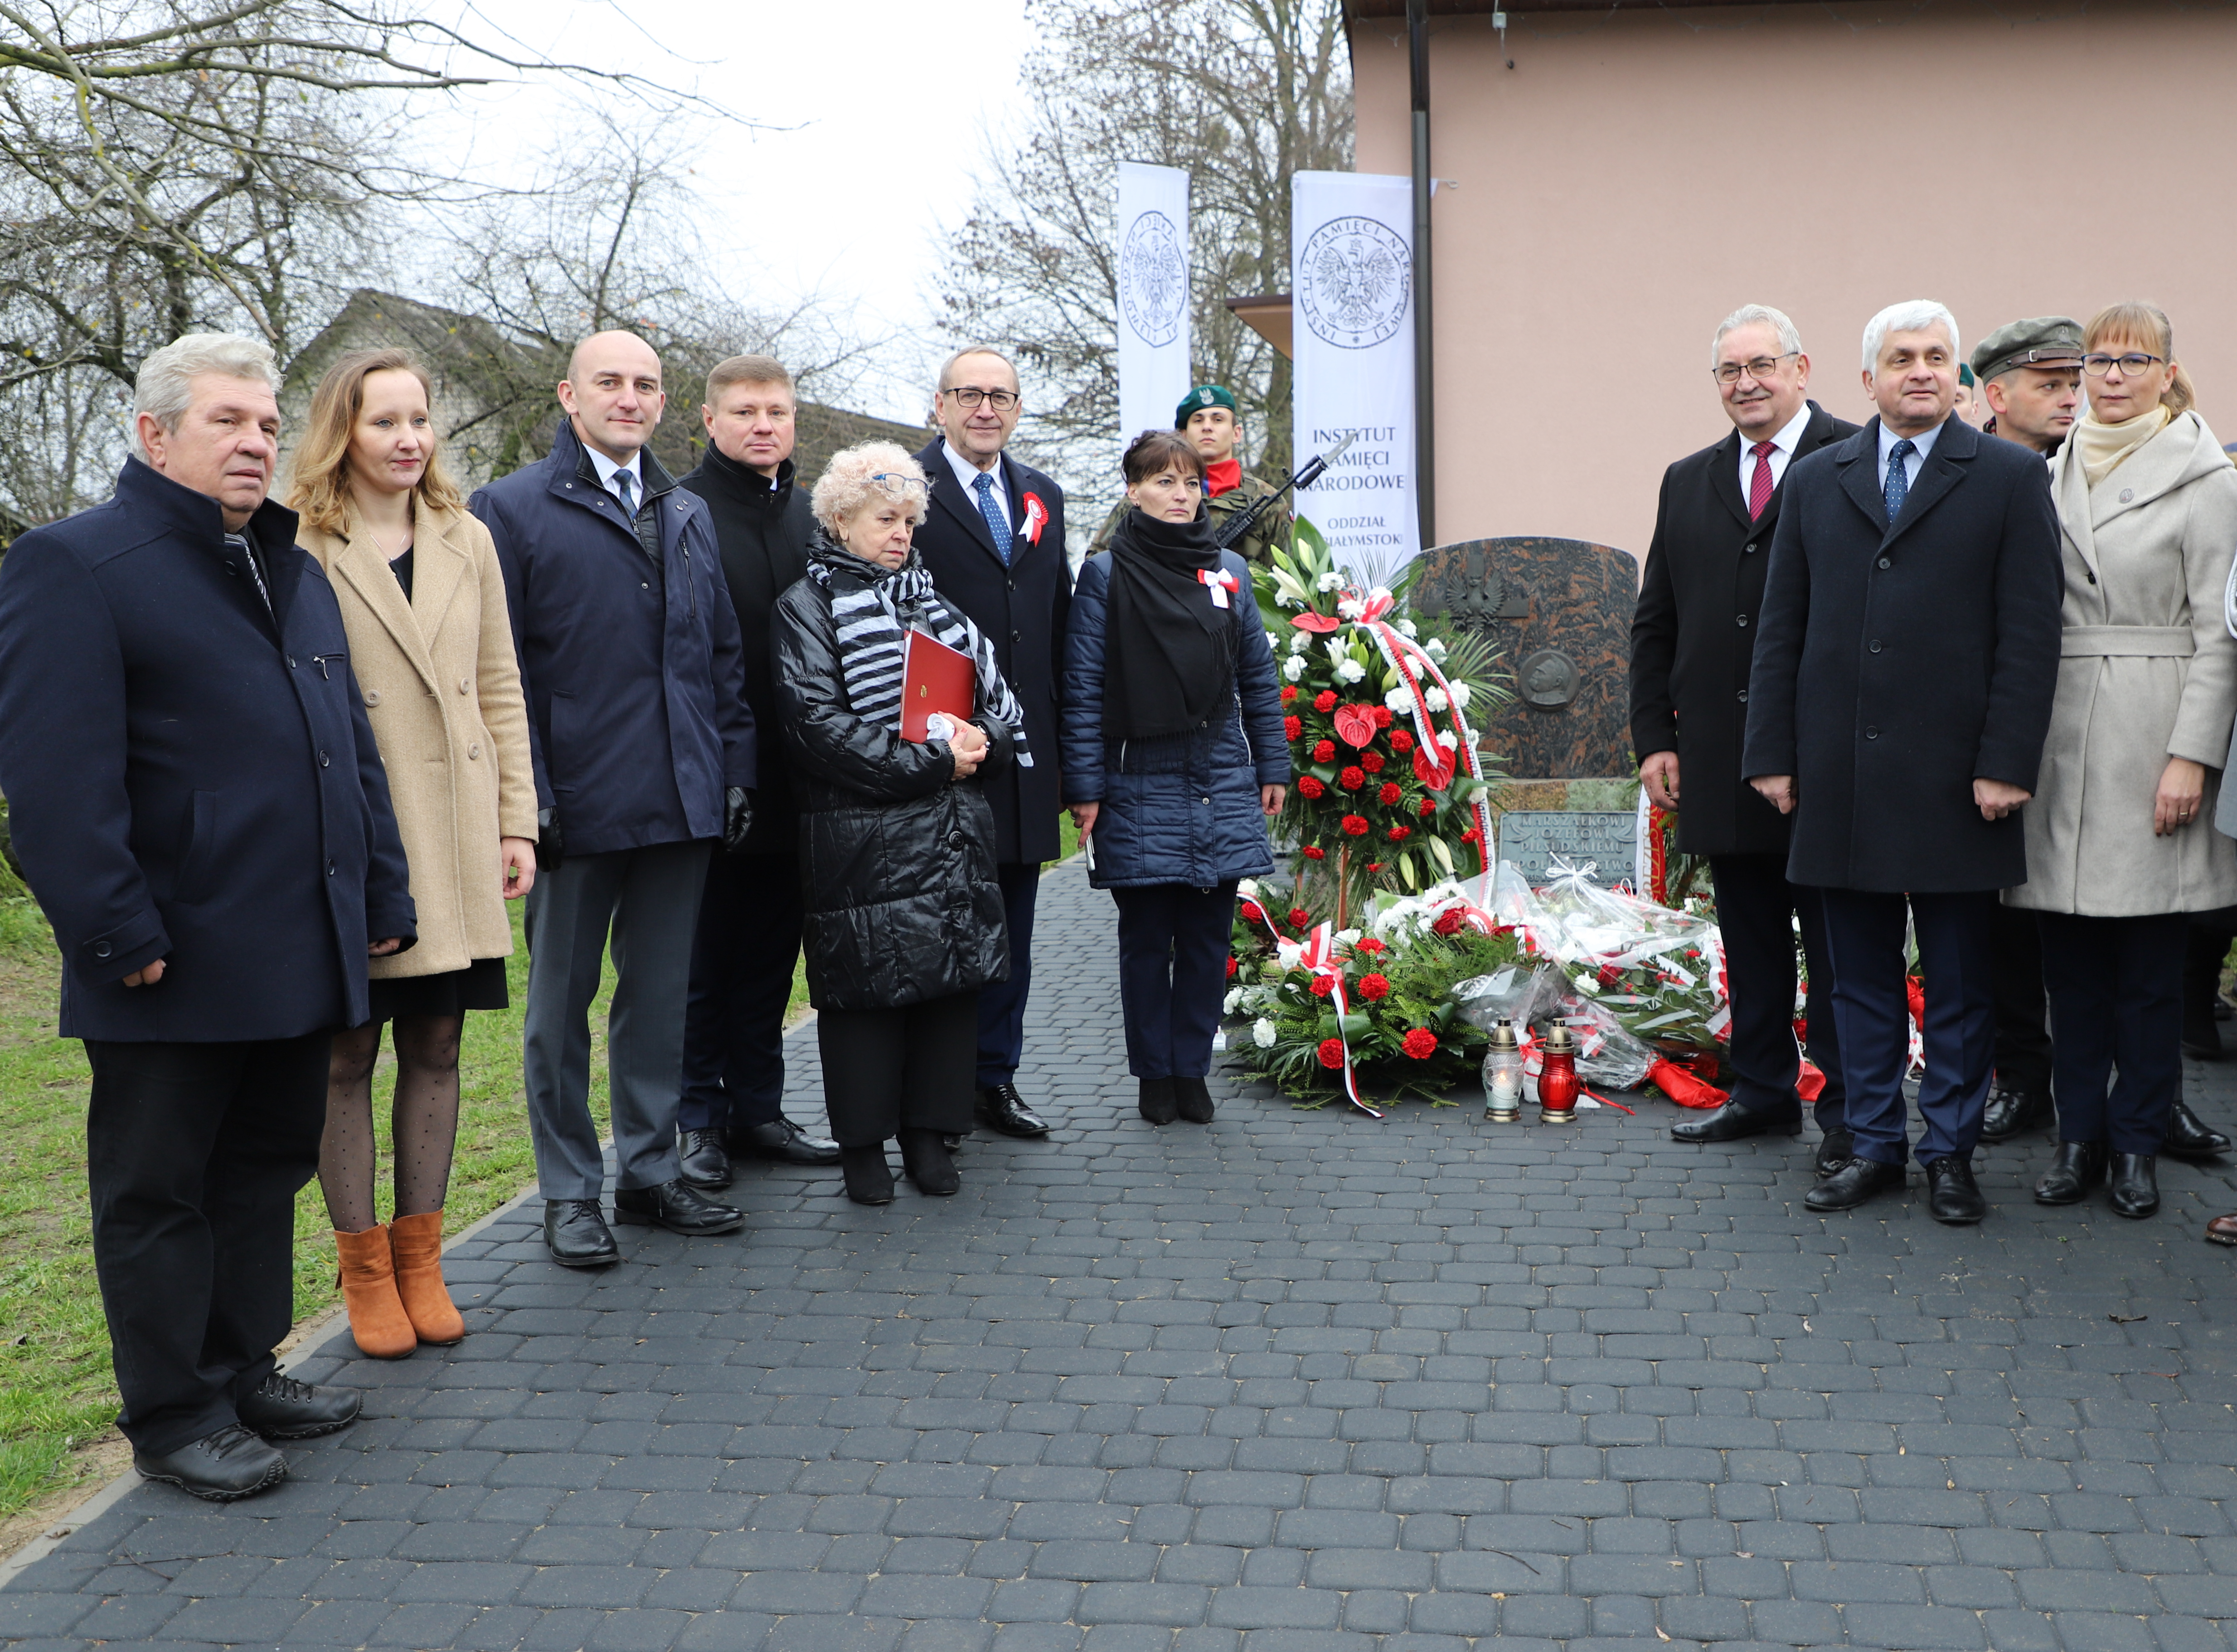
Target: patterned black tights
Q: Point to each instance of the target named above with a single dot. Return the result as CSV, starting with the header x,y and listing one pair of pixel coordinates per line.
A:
x,y
425,1120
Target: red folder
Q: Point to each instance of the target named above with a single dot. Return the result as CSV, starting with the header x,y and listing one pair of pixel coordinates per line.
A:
x,y
935,677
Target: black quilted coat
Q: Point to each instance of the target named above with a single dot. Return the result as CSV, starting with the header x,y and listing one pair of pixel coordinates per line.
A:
x,y
896,856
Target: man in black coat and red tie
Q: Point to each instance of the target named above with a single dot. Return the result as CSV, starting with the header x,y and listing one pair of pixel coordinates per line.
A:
x,y
994,542
1896,711
1693,640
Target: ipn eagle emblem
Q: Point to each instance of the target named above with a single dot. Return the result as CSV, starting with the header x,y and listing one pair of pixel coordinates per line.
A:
x,y
1354,282
1153,279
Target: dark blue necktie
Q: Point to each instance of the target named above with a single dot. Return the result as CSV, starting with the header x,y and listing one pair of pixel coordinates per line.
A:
x,y
1896,488
622,480
998,515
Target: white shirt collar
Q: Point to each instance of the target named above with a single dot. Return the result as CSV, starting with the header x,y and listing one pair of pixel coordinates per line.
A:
x,y
1789,434
607,471
968,474
1924,441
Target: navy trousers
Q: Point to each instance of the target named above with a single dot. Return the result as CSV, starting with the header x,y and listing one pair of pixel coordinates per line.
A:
x,y
1863,941
1173,947
1002,1006
2115,1002
2022,1037
1757,910
742,959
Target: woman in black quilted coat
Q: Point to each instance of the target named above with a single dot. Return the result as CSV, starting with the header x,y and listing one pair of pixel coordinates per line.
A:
x,y
896,844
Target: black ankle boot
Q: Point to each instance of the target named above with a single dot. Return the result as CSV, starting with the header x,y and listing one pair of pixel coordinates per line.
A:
x,y
2135,1184
1157,1102
2075,1169
1192,1100
924,1158
869,1178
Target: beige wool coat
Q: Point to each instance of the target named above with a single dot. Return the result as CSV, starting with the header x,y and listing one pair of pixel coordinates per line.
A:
x,y
2147,671
442,690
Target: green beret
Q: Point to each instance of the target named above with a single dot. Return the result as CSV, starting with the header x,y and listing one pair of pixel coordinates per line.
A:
x,y
2039,341
1201,397
1964,375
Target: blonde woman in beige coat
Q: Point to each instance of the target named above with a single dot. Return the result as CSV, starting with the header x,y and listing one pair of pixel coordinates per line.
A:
x,y
2121,842
422,604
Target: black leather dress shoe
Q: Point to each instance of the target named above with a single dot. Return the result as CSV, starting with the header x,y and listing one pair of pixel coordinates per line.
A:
x,y
1853,1183
1001,1107
782,1142
2075,1169
2135,1184
279,1408
577,1235
1733,1122
1953,1196
1835,1148
2015,1112
702,1160
218,1468
1192,1100
678,1207
2188,1138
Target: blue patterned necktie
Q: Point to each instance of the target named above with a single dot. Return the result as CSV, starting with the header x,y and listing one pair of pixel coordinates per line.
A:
x,y
622,480
998,515
1896,488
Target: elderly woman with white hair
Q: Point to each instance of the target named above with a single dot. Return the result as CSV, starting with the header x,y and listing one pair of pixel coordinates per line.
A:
x,y
905,921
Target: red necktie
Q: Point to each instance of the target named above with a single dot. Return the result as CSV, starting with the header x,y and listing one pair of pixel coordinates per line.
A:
x,y
1759,484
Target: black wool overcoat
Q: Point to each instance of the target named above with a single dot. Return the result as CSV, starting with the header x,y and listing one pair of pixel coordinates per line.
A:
x,y
1693,640
1898,664
1022,610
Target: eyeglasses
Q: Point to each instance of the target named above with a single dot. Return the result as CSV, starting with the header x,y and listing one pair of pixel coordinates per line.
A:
x,y
1759,370
895,482
970,396
2132,363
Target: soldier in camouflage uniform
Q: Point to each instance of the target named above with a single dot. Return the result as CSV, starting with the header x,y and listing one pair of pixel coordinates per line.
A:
x,y
1207,417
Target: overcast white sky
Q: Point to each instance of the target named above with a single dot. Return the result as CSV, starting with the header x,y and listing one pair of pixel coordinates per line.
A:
x,y
886,102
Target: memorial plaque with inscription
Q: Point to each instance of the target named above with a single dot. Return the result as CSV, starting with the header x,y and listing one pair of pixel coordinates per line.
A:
x,y
1531,838
1559,612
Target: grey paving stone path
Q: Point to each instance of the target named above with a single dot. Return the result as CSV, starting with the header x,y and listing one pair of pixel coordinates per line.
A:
x,y
1297,1380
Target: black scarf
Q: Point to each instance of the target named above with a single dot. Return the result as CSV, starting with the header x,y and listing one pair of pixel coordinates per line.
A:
x,y
1168,651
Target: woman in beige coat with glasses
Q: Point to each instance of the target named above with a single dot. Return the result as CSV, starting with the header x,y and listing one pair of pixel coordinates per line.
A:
x,y
2121,842
423,603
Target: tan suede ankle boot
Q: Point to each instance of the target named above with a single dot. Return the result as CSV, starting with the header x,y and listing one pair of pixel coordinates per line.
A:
x,y
418,1244
376,1314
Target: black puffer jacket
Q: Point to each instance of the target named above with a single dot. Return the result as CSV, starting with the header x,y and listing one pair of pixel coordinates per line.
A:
x,y
896,856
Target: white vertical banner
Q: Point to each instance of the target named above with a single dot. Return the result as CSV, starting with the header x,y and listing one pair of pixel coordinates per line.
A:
x,y
1154,297
1351,281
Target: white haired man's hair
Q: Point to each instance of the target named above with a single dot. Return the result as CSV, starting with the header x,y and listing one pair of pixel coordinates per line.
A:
x,y
1912,315
165,385
851,479
1755,315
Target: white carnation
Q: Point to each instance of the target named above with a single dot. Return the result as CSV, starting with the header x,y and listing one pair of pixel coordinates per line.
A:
x,y
1434,648
1586,984
1286,953
1331,581
1261,1033
1449,740
1350,608
1349,671
1299,642
1460,696
1380,593
1349,937
1409,629
1400,700
1436,696
1293,667
1234,997
1248,887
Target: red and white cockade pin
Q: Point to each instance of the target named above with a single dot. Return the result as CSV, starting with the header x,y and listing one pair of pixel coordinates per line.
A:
x,y
1218,582
1036,518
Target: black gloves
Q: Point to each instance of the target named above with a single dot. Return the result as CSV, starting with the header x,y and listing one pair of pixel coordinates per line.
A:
x,y
550,848
737,818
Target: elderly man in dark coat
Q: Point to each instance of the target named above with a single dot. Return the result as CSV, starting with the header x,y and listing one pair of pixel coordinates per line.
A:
x,y
994,542
1691,643
200,807
1898,707
644,756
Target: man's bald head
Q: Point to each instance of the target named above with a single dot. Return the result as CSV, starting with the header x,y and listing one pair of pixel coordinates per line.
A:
x,y
612,393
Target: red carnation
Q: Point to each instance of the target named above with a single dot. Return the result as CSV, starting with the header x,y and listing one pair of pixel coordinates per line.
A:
x,y
1299,918
1323,985
1447,923
1472,835
1355,824
1369,943
1401,741
1289,693
1324,750
1420,1044
1292,727
1324,701
1372,762
1382,716
1353,777
1313,851
1428,807
1374,986
1399,833
1230,966
1375,866
1309,786
1331,1052
1389,794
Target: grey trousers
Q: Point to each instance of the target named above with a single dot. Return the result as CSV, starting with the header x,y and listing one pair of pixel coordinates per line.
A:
x,y
650,900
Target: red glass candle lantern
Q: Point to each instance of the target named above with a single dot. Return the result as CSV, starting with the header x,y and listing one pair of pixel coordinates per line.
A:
x,y
1557,1078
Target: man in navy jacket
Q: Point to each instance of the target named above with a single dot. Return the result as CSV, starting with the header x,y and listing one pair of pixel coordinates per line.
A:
x,y
199,805
644,756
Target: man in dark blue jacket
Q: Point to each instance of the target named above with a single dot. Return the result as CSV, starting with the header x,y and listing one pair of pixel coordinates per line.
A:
x,y
644,756
199,805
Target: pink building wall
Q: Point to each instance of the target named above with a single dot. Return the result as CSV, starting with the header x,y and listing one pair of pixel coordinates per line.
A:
x,y
1639,174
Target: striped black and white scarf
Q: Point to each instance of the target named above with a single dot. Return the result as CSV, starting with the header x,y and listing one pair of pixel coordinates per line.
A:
x,y
872,609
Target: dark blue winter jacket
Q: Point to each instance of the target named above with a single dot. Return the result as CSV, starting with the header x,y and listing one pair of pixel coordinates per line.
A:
x,y
1181,809
635,685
